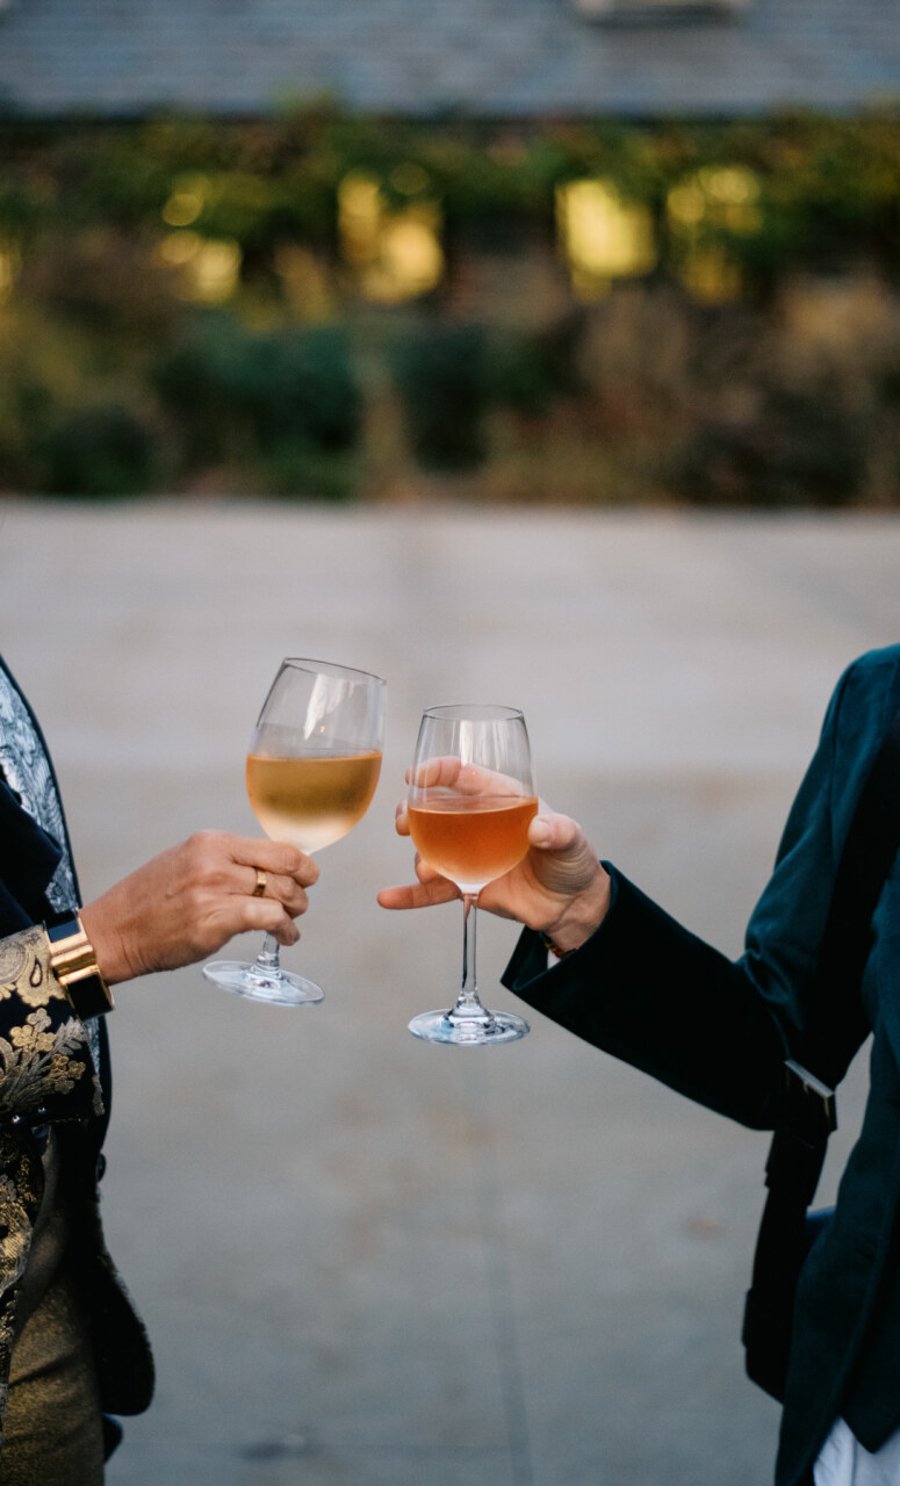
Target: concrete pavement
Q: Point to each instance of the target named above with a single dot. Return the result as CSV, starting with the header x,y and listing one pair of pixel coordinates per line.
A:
x,y
365,1261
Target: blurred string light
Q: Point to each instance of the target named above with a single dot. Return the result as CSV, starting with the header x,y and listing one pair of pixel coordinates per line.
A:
x,y
210,268
389,230
603,238
703,211
187,200
393,249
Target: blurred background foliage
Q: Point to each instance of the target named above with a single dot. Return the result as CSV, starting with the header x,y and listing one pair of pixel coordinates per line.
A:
x,y
332,307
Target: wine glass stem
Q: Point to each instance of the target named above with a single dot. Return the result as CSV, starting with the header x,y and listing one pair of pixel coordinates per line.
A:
x,y
268,964
468,1004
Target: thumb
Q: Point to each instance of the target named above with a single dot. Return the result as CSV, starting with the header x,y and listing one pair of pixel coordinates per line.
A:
x,y
562,859
552,832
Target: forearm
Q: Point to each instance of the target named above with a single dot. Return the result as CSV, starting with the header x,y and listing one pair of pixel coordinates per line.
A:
x,y
644,989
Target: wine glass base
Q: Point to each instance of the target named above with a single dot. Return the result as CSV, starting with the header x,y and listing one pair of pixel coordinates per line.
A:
x,y
494,1028
283,989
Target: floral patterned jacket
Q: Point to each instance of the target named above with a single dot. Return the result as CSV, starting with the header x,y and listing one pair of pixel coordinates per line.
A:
x,y
46,1075
53,1070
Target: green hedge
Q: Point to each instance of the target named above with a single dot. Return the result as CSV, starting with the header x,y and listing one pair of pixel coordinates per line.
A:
x,y
112,382
829,185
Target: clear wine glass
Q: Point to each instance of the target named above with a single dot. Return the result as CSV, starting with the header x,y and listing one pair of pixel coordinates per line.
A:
x,y
312,769
471,797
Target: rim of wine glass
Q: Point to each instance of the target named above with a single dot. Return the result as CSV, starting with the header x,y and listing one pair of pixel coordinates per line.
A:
x,y
329,668
474,712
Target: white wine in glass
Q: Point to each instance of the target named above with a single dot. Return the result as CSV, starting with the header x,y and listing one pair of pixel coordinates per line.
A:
x,y
312,769
471,798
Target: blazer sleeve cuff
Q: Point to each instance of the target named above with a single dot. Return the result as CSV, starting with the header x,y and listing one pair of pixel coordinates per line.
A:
x,y
648,991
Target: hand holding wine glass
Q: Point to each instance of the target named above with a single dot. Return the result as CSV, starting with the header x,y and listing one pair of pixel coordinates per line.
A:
x,y
312,769
471,798
558,888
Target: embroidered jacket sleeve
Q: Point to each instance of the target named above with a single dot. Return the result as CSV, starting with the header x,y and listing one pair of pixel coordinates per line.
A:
x,y
46,1069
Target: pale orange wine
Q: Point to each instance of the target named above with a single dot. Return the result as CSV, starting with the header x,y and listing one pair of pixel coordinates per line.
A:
x,y
311,801
472,841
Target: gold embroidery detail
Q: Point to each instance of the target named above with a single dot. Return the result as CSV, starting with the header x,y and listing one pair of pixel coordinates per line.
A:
x,y
35,1064
15,1231
24,969
21,1184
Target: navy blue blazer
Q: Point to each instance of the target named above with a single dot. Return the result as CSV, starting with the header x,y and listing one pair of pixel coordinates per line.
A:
x,y
657,996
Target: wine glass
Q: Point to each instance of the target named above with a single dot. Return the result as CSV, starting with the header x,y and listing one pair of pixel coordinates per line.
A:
x,y
312,768
471,797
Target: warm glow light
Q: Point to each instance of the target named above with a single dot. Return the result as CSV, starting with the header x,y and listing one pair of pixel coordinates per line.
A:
x,y
718,199
411,262
396,252
216,271
722,196
186,201
210,267
603,237
179,248
359,217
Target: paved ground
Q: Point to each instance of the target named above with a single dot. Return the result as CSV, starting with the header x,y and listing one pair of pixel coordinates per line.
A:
x,y
365,1261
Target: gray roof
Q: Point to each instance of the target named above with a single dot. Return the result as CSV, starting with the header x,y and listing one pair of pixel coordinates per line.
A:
x,y
484,57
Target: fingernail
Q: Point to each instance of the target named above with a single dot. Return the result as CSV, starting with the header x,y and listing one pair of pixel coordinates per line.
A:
x,y
540,833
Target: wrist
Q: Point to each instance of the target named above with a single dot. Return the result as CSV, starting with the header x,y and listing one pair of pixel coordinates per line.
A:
x,y
108,946
579,918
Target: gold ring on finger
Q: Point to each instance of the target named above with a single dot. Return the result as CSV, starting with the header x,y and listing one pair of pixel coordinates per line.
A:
x,y
260,890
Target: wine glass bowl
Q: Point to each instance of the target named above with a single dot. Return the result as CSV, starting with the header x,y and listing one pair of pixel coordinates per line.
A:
x,y
470,801
311,772
472,840
310,800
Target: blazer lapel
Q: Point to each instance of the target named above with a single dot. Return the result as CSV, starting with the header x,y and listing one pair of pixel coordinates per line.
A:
x,y
28,860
